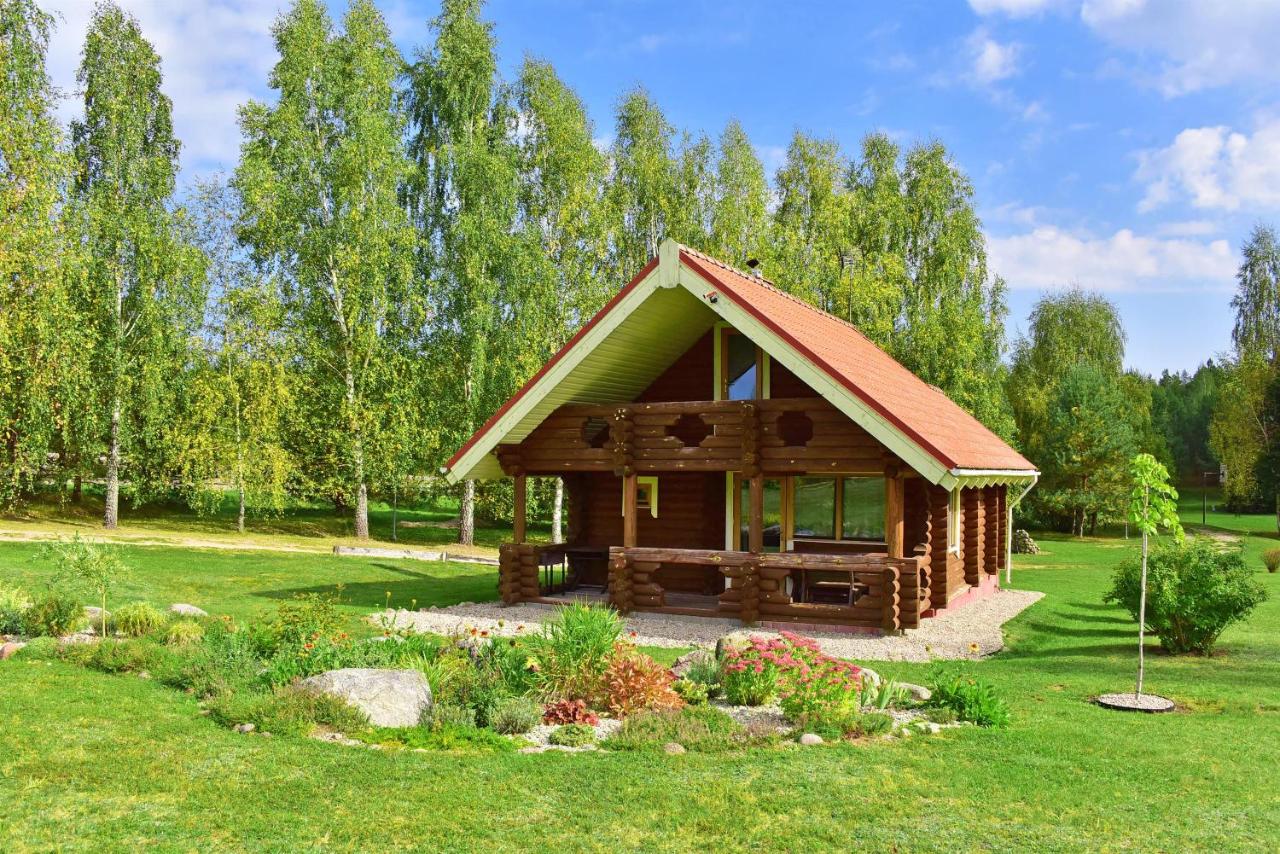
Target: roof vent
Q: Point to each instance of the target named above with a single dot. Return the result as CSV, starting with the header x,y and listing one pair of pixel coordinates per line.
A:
x,y
754,264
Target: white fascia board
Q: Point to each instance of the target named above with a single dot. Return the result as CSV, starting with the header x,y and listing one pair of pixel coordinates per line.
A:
x,y
837,395
494,436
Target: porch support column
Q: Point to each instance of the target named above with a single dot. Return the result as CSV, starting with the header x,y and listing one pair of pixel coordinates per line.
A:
x,y
518,523
893,511
755,531
629,497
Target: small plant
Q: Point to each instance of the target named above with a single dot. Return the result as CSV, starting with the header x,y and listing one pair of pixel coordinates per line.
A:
x,y
570,655
746,678
184,633
121,656
971,699
1194,591
443,737
445,715
287,711
515,715
873,724
705,670
693,693
634,682
137,619
54,615
306,618
13,604
941,715
92,568
881,695
698,728
1270,559
569,712
572,735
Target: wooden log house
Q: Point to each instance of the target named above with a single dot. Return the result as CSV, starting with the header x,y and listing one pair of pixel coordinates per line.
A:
x,y
728,450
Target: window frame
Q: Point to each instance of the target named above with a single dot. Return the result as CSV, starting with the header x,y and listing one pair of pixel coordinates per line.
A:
x,y
721,364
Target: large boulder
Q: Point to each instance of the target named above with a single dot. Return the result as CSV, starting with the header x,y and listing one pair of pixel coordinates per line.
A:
x,y
184,610
1023,544
391,698
682,665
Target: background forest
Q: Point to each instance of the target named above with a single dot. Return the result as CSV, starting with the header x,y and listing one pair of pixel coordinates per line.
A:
x,y
405,240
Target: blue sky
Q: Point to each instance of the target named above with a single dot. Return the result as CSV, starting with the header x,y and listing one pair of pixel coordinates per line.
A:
x,y
1124,145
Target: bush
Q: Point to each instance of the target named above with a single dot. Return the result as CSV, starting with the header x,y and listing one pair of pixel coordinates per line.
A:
x,y
806,681
287,711
693,693
184,633
634,682
137,619
698,728
306,618
573,650
443,737
515,715
121,656
13,604
705,670
226,661
54,615
572,735
1195,590
569,712
1270,558
444,715
942,715
969,698
746,679
872,724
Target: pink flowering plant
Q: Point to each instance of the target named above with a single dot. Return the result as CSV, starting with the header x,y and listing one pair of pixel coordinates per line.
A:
x,y
807,682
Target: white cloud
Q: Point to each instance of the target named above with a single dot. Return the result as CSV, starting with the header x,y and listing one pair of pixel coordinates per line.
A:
x,y
990,60
214,57
1013,8
1048,257
1215,168
1202,44
1189,228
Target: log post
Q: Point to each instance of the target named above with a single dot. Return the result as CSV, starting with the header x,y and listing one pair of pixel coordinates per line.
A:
x,y
991,530
518,523
972,535
755,532
630,495
893,512
509,573
750,579
891,621
620,593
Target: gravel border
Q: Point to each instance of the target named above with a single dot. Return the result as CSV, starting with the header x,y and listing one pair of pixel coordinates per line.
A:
x,y
1130,702
971,631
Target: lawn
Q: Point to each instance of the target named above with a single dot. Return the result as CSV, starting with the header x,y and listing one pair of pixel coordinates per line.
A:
x,y
96,762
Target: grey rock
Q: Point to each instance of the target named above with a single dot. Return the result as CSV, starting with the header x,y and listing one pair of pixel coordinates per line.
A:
x,y
94,616
390,698
184,610
1023,544
673,748
870,676
737,639
810,738
685,662
245,727
7,650
919,693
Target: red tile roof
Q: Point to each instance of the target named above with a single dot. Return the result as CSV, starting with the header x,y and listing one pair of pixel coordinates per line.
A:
x,y
926,415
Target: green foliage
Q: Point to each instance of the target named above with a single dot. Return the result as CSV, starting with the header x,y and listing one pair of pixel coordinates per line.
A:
x,y
705,670
225,662
693,693
1153,502
13,604
572,651
880,695
447,716
137,619
86,568
1195,590
1257,299
872,724
972,699
306,618
941,714
1236,434
572,735
287,711
1270,559
515,715
703,729
55,615
444,737
1182,408
184,633
139,655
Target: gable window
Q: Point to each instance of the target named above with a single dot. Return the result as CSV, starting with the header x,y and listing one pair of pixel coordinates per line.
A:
x,y
741,367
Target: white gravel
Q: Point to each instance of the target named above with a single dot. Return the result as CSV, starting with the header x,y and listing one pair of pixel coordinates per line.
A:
x,y
971,631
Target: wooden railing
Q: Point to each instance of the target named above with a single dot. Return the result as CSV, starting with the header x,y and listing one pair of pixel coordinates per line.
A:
x,y
780,435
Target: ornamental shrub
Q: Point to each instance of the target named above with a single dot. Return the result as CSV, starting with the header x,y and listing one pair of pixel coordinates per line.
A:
x,y
693,693
705,729
1195,590
13,604
137,619
1271,559
445,715
569,656
287,711
183,633
806,681
54,615
572,735
569,712
972,699
515,715
633,682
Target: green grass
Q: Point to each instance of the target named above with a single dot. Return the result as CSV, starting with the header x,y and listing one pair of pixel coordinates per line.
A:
x,y
96,762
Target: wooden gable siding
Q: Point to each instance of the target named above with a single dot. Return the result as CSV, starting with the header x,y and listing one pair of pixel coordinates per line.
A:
x,y
690,511
690,377
783,383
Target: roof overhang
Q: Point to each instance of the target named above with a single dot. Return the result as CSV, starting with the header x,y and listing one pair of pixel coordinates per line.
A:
x,y
649,324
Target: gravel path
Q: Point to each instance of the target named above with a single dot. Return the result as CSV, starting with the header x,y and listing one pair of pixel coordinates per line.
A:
x,y
951,635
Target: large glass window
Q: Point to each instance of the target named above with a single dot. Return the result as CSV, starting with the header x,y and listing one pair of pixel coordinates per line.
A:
x,y
740,380
863,508
815,507
772,514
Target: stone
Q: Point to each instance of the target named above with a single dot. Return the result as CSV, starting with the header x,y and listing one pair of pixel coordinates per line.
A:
x,y
919,693
533,748
184,610
870,676
810,739
1130,702
738,639
94,616
78,637
390,698
7,650
245,727
684,663
672,748
1023,544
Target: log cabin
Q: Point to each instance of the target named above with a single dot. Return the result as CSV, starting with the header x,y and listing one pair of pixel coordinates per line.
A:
x,y
728,450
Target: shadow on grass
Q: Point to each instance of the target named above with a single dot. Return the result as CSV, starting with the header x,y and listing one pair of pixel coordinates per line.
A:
x,y
414,589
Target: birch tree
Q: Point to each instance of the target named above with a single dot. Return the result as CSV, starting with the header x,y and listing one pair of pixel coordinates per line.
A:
x,y
740,215
320,176
141,290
